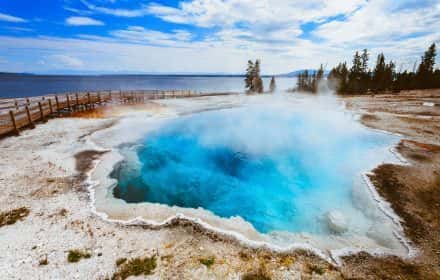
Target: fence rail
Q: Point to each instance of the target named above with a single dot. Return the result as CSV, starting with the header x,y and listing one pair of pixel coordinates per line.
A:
x,y
25,112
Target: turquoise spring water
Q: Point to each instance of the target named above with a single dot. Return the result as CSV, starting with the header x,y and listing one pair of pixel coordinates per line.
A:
x,y
279,169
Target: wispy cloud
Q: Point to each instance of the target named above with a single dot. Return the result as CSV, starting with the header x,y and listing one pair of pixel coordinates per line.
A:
x,y
139,12
9,18
19,29
380,22
208,13
66,61
83,21
138,34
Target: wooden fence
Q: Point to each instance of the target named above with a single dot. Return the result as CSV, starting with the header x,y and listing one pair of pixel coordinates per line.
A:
x,y
25,112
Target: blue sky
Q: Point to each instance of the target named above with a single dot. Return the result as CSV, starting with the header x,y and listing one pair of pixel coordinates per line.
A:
x,y
172,36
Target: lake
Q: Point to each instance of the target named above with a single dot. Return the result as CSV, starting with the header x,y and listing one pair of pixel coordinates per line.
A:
x,y
34,85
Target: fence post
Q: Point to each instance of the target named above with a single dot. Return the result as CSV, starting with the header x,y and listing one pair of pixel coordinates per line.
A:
x,y
50,105
68,103
89,100
28,113
16,104
58,104
14,123
41,111
77,101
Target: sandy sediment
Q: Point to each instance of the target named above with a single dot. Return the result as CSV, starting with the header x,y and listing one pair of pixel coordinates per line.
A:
x,y
39,171
413,190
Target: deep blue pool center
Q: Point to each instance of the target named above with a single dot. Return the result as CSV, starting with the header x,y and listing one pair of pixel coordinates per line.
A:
x,y
280,170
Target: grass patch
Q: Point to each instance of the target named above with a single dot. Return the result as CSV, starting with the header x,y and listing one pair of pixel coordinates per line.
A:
x,y
208,262
255,276
317,269
244,256
120,261
11,217
135,267
287,261
43,261
75,256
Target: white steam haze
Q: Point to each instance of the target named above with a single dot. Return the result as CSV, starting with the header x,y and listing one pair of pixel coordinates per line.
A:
x,y
329,138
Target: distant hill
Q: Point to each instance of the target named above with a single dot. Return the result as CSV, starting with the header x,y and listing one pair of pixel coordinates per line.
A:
x,y
9,74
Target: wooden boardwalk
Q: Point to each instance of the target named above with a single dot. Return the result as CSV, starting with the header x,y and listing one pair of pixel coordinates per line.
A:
x,y
18,113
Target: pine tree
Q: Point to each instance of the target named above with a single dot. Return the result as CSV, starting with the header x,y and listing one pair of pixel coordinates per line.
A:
x,y
249,75
257,68
354,77
389,76
299,82
253,81
257,82
272,86
257,85
379,73
364,61
365,73
306,80
319,75
425,72
338,77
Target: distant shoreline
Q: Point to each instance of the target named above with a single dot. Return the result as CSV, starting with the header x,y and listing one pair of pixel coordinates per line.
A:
x,y
7,74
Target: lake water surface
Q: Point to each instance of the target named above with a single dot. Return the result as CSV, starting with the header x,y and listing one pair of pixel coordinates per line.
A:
x,y
35,85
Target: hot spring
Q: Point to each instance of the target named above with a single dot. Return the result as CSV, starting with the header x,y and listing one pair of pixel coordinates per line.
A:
x,y
286,170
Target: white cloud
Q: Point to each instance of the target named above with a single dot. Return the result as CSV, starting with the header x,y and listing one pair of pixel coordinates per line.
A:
x,y
19,29
138,34
9,18
83,21
262,26
207,56
208,13
380,22
65,61
139,12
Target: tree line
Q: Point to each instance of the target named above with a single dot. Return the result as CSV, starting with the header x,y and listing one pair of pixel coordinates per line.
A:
x,y
310,81
360,78
253,81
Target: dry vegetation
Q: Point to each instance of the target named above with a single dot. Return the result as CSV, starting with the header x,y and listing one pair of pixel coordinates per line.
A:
x,y
76,255
134,267
413,190
12,216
